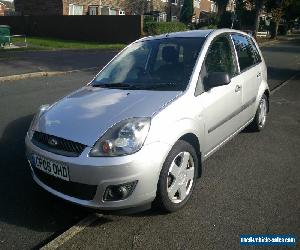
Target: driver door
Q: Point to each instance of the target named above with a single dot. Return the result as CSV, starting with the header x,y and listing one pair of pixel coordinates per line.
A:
x,y
221,104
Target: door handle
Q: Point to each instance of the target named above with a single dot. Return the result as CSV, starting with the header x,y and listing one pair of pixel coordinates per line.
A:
x,y
258,75
238,88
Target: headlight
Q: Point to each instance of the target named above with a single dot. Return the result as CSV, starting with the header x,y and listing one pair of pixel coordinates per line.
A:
x,y
42,109
124,138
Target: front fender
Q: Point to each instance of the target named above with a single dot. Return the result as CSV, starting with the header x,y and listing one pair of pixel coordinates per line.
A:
x,y
171,132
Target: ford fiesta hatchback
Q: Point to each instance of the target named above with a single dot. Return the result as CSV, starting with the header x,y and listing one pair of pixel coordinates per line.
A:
x,y
139,132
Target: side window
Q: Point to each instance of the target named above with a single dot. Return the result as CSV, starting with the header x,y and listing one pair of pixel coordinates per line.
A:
x,y
255,52
219,58
245,52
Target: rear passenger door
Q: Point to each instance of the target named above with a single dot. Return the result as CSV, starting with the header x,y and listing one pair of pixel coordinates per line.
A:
x,y
250,69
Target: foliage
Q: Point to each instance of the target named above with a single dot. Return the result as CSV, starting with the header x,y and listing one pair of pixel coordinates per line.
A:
x,y
225,20
277,9
245,19
187,11
209,27
221,5
155,28
292,11
210,21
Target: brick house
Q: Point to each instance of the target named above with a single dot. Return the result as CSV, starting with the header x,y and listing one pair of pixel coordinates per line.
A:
x,y
161,8
202,9
69,7
200,6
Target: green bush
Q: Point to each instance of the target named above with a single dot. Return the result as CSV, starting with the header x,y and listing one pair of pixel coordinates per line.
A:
x,y
209,27
155,28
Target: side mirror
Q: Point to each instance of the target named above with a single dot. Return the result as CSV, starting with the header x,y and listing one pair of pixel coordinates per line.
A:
x,y
216,79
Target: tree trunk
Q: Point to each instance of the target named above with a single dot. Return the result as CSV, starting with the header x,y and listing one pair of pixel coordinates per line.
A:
x,y
169,14
276,29
221,9
258,8
256,22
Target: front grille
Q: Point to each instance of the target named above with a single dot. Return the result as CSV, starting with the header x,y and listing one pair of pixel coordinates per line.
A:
x,y
73,189
61,147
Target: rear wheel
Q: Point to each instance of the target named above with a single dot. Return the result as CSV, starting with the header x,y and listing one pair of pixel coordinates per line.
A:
x,y
177,177
260,118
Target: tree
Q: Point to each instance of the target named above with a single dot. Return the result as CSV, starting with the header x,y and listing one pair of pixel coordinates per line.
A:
x,y
292,11
187,11
259,4
221,5
277,8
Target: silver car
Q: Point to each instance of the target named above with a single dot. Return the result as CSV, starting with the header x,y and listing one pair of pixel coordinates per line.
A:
x,y
138,133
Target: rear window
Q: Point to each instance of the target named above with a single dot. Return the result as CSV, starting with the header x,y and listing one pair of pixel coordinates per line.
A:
x,y
245,51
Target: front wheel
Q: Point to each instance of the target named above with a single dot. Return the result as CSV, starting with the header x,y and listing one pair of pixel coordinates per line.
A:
x,y
177,177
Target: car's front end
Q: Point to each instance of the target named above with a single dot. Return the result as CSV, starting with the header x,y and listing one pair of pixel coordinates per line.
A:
x,y
99,182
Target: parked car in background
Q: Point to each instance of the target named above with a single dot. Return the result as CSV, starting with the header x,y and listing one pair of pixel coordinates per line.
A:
x,y
139,132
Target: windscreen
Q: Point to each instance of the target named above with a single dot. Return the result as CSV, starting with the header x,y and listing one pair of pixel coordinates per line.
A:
x,y
165,64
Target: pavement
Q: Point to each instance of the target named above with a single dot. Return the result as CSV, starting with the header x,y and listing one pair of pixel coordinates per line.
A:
x,y
249,186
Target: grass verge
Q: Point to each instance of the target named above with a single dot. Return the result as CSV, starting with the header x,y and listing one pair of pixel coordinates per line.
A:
x,y
40,43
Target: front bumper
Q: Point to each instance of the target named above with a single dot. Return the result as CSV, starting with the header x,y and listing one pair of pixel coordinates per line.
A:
x,y
101,172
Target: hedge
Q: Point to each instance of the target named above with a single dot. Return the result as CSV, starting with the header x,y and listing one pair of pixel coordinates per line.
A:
x,y
155,28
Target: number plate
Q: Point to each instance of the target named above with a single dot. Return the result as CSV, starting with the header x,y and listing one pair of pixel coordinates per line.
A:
x,y
57,169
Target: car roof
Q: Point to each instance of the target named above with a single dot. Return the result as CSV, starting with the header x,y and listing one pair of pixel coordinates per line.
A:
x,y
190,33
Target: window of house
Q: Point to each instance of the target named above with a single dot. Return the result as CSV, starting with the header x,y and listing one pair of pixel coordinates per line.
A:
x,y
93,10
162,17
112,12
105,10
76,10
213,7
244,51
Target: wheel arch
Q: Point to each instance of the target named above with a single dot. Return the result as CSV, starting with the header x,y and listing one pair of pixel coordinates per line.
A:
x,y
192,139
263,90
267,94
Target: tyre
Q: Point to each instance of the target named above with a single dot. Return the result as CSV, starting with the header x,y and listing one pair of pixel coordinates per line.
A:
x,y
260,118
177,178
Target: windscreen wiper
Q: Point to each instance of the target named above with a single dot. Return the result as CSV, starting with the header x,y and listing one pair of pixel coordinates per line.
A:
x,y
162,86
115,85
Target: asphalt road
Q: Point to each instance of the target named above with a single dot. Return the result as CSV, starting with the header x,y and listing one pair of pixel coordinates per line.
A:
x,y
22,62
249,186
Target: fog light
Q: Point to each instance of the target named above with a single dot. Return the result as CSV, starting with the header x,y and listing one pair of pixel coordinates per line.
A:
x,y
119,192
